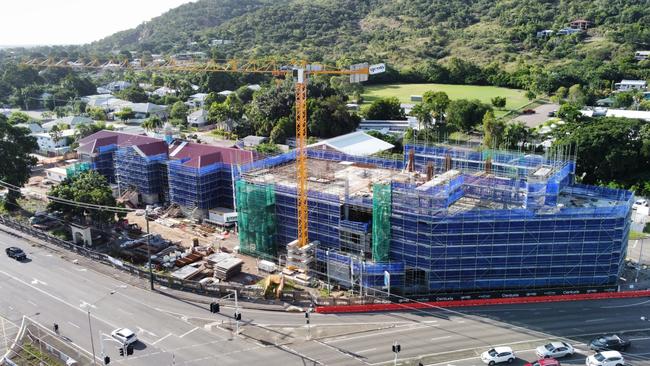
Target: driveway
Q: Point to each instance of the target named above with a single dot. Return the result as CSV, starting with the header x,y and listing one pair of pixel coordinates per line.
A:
x,y
540,116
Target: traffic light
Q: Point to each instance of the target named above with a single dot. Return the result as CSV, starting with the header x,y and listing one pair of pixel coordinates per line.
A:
x,y
307,314
237,316
121,351
107,360
397,348
215,307
129,350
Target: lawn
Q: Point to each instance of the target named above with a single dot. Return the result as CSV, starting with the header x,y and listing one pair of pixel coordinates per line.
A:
x,y
514,97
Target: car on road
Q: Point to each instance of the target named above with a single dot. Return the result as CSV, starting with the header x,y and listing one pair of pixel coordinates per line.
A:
x,y
16,253
528,111
124,336
544,362
498,355
639,203
555,350
609,342
605,358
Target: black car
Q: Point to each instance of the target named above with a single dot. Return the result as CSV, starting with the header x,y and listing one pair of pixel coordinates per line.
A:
x,y
609,342
16,253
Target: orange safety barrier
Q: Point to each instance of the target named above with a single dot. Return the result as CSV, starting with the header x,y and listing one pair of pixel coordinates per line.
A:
x,y
479,302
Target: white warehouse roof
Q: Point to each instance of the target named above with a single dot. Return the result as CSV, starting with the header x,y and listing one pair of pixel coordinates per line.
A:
x,y
355,143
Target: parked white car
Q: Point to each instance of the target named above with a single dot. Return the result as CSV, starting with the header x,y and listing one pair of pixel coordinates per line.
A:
x,y
554,350
605,358
498,355
639,203
124,336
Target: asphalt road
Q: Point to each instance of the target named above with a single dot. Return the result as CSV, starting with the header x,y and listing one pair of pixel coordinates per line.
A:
x,y
50,289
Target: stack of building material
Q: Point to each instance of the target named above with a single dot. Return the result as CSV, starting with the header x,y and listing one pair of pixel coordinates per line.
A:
x,y
225,265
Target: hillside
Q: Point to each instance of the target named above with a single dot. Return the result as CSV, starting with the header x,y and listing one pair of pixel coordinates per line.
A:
x,y
402,32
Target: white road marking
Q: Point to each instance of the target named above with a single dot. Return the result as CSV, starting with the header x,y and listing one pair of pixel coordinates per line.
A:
x,y
33,303
84,304
142,330
595,320
443,337
625,306
366,350
36,281
74,325
188,332
639,339
81,269
160,339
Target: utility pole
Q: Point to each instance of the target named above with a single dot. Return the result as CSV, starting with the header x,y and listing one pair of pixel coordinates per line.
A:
x,y
361,274
237,315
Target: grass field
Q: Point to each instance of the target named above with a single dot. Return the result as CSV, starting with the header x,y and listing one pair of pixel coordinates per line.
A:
x,y
514,97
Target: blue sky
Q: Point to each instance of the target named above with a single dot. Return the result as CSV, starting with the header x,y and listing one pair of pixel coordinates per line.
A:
x,y
29,22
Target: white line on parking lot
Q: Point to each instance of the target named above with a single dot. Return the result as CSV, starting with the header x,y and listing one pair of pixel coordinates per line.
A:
x,y
188,332
160,339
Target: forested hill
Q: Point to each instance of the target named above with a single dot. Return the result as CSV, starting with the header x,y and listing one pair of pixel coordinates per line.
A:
x,y
402,32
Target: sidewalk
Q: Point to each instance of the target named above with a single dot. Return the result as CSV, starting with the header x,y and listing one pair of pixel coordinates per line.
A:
x,y
142,282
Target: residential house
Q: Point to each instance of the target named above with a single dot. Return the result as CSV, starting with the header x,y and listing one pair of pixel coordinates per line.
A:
x,y
225,93
253,141
107,102
102,90
142,111
197,118
544,33
197,100
32,127
627,85
581,24
356,143
70,122
49,144
568,31
641,55
389,126
163,91
116,86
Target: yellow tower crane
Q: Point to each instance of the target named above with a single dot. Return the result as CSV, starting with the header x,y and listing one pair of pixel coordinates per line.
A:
x,y
298,70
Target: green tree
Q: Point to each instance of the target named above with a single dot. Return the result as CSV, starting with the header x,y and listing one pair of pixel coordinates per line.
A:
x,y
576,95
516,134
493,130
465,114
125,114
96,113
56,133
498,102
385,109
87,187
561,92
267,148
284,129
623,100
423,113
16,161
438,101
329,117
178,111
530,95
18,117
134,94
644,105
152,123
569,112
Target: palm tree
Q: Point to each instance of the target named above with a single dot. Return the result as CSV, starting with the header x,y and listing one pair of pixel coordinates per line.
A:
x,y
152,123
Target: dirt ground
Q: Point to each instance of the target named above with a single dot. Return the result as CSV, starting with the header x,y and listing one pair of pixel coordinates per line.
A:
x,y
186,232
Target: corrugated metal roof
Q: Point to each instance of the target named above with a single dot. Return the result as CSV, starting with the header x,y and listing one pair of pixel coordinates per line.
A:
x,y
201,155
355,143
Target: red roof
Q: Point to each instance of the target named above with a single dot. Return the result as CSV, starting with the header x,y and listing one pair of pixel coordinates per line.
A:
x,y
201,155
90,143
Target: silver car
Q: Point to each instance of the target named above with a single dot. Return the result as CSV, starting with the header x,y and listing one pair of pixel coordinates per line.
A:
x,y
554,350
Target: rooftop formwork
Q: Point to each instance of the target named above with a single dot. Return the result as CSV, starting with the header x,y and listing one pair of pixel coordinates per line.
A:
x,y
447,219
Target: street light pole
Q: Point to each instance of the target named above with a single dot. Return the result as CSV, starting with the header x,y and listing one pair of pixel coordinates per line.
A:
x,y
638,263
146,219
92,341
327,269
236,314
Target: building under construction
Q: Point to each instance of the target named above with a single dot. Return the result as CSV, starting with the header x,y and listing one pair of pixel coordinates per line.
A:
x,y
442,220
197,177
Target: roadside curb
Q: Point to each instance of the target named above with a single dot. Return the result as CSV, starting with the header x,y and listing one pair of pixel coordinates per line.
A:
x,y
334,309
